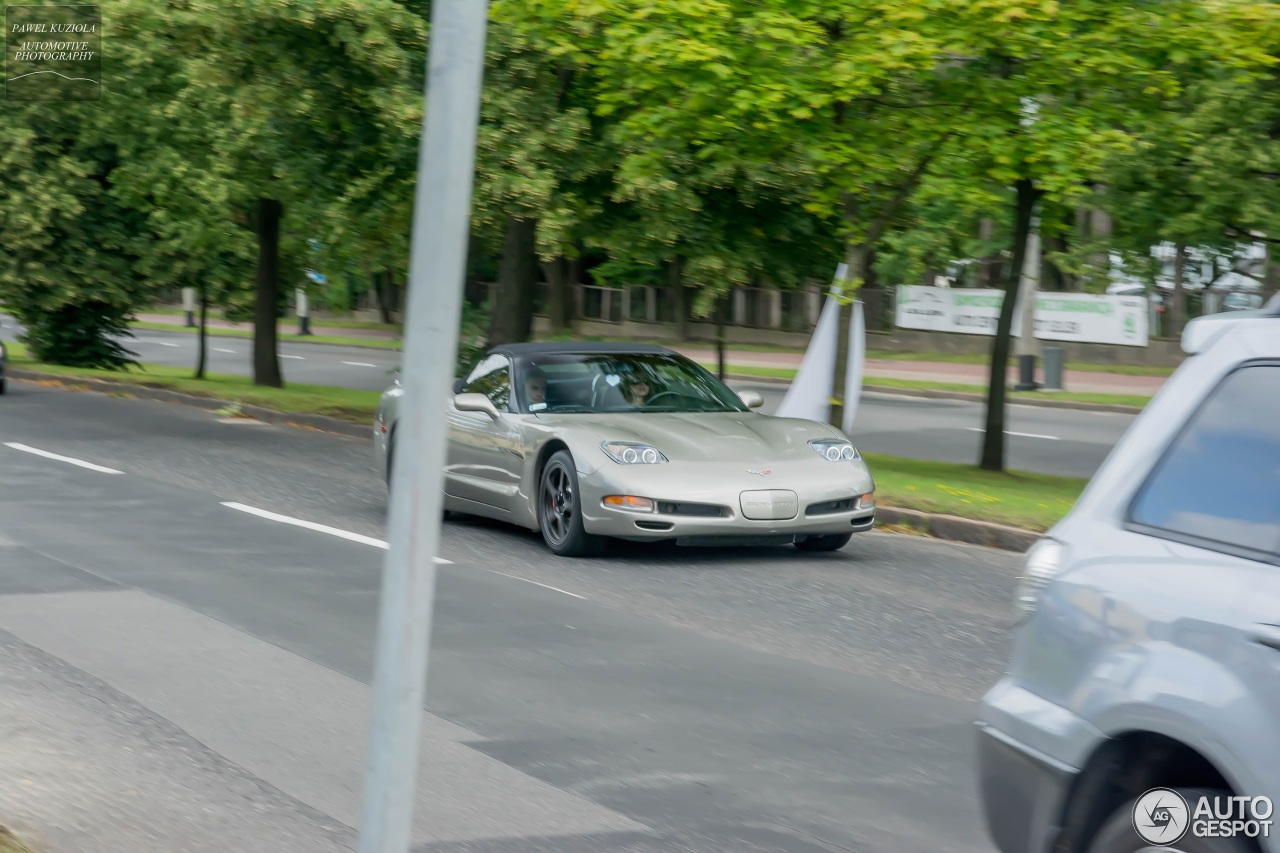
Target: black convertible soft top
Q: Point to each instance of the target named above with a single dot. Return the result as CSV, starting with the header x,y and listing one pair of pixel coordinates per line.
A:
x,y
579,348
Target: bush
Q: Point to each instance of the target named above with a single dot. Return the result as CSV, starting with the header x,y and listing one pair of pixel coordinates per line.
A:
x,y
79,335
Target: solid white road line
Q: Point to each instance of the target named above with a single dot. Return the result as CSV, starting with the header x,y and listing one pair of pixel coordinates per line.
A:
x,y
535,583
1021,434
166,344
298,357
216,349
47,455
359,364
311,525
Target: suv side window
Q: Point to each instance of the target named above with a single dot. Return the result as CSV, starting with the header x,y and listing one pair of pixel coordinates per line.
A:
x,y
1218,484
492,378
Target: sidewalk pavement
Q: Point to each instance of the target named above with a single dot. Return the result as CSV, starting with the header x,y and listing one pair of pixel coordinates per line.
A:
x,y
135,724
1079,381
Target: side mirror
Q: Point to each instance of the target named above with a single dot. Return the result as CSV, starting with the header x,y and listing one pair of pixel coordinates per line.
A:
x,y
752,399
458,385
475,403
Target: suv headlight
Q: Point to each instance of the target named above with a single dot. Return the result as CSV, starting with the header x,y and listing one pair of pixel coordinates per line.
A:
x,y
834,449
632,453
1043,563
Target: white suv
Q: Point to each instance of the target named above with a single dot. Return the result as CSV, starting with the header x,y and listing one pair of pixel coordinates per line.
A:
x,y
1144,687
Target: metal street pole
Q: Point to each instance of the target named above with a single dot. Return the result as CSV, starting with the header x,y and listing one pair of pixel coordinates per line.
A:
x,y
304,312
437,261
1028,345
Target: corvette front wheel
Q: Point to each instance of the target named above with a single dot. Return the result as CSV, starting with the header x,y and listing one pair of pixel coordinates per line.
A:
x,y
560,510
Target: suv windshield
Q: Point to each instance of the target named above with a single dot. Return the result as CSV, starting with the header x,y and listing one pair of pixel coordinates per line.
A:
x,y
620,382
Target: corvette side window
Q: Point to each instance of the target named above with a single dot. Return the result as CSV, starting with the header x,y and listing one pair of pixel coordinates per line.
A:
x,y
492,378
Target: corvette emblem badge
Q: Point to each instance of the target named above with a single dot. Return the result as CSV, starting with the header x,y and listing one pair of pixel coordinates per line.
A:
x,y
762,472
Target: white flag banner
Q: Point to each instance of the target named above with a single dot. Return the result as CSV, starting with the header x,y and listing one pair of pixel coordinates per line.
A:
x,y
856,365
809,395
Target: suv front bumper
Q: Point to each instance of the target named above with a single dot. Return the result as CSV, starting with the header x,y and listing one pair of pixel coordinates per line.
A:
x,y
1029,754
1022,793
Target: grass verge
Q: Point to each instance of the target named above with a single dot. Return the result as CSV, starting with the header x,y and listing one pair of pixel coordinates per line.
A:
x,y
378,343
1016,498
10,843
346,403
1031,501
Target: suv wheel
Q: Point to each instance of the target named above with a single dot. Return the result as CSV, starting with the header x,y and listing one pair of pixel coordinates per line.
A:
x,y
1118,835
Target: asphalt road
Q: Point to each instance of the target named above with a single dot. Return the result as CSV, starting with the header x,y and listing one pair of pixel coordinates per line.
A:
x,y
1066,442
656,700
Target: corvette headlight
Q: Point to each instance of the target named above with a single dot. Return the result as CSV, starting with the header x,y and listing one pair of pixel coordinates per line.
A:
x,y
834,449
631,453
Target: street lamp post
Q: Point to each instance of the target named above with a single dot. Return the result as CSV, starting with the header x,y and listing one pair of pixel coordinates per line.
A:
x,y
437,261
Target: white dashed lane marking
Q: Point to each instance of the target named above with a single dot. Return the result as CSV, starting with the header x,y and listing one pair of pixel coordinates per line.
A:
x,y
58,457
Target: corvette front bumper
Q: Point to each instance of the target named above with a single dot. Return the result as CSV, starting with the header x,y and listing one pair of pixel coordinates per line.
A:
x,y
709,505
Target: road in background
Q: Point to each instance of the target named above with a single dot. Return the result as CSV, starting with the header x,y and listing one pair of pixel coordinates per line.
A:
x,y
654,700
1067,442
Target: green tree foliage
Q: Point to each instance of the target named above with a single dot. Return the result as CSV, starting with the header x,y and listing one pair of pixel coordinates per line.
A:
x,y
68,247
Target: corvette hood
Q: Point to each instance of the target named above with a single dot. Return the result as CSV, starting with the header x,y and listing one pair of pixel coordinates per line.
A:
x,y
737,437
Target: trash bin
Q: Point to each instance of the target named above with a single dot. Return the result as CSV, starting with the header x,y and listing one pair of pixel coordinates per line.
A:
x,y
1054,360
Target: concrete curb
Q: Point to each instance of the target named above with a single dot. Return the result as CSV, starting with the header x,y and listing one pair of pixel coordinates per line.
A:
x,y
947,527
956,529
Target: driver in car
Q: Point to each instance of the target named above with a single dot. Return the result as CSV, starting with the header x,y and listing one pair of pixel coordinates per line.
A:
x,y
637,391
535,387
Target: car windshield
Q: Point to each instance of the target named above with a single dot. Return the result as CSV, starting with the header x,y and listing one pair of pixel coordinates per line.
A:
x,y
592,383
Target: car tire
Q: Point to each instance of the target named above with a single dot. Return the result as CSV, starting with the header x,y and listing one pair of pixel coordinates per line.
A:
x,y
1117,835
560,510
2,382
830,542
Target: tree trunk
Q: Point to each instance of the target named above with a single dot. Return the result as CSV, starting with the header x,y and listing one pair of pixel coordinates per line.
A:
x,y
384,283
202,343
1174,316
1054,277
266,359
989,274
511,320
993,439
558,272
679,296
722,316
1100,229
